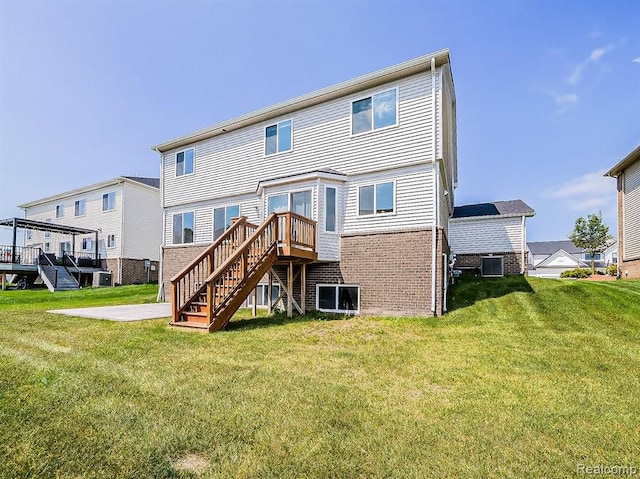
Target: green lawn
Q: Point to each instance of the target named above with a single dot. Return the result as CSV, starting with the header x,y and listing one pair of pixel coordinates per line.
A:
x,y
523,378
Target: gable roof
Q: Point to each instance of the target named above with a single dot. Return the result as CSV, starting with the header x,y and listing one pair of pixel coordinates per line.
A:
x,y
148,182
370,80
561,253
495,208
550,247
627,161
154,182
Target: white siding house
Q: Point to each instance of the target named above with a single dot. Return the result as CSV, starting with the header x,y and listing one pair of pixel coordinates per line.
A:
x,y
491,230
126,213
372,160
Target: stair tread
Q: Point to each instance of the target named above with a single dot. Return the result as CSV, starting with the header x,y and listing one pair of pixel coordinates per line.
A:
x,y
190,324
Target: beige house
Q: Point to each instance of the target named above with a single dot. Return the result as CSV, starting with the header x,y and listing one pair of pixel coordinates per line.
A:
x,y
627,173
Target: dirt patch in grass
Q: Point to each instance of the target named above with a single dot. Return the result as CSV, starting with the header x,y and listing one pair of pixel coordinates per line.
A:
x,y
191,463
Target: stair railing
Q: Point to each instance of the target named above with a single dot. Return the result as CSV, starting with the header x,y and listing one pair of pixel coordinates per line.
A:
x,y
68,257
227,280
187,285
48,260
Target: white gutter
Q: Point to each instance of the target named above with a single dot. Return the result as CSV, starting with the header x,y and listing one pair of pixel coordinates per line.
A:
x,y
436,180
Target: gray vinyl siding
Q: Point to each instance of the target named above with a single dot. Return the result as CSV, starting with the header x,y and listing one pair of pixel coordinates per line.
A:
x,y
234,163
631,213
413,201
485,235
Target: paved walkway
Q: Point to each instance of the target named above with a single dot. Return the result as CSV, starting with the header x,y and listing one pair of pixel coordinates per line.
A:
x,y
124,313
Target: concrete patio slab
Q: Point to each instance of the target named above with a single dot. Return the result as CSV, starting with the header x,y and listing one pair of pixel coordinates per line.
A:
x,y
123,313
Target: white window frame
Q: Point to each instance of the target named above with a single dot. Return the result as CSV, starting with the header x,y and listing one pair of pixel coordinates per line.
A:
x,y
337,286
29,234
47,233
193,167
76,206
47,247
277,125
194,227
213,217
261,296
355,100
87,243
59,211
289,193
375,213
114,201
109,245
335,231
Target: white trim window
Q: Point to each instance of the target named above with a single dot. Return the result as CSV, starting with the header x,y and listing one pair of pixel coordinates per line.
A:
x,y
377,198
87,243
278,137
222,219
111,241
330,209
184,162
79,207
263,295
300,202
29,234
374,112
338,298
183,228
59,211
47,234
109,201
47,247
596,257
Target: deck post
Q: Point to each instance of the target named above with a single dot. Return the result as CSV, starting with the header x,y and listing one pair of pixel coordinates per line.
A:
x,y
4,281
290,288
270,291
95,249
254,308
303,288
15,236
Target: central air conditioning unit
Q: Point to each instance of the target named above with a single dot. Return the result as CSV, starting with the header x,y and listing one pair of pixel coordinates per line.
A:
x,y
102,278
492,267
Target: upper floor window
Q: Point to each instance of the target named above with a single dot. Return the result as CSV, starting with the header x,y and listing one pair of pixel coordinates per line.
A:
x,y
376,199
330,209
183,228
278,137
111,241
374,112
184,162
222,219
79,207
59,211
108,201
299,202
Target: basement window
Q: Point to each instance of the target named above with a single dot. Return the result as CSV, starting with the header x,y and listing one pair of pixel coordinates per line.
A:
x,y
492,266
338,298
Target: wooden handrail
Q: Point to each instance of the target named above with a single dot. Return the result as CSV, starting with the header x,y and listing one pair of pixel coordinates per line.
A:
x,y
242,220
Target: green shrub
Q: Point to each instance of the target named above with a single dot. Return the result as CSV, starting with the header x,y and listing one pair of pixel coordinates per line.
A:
x,y
576,273
612,270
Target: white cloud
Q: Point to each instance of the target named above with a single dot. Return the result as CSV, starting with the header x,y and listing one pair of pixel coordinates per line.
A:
x,y
636,60
575,76
585,194
565,102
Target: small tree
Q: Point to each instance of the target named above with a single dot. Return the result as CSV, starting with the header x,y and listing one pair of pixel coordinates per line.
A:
x,y
592,236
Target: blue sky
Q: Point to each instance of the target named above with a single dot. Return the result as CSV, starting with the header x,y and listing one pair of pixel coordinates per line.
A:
x,y
548,91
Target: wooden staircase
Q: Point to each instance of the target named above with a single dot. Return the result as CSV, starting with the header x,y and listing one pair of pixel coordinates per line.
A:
x,y
208,292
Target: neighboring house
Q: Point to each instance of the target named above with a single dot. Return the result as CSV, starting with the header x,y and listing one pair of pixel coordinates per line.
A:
x,y
548,259
370,162
627,173
491,237
126,214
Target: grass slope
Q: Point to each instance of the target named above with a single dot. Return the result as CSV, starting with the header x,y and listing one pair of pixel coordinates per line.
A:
x,y
523,378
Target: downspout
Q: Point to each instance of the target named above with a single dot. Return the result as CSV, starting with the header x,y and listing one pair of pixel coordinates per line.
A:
x,y
524,243
445,281
436,178
160,296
